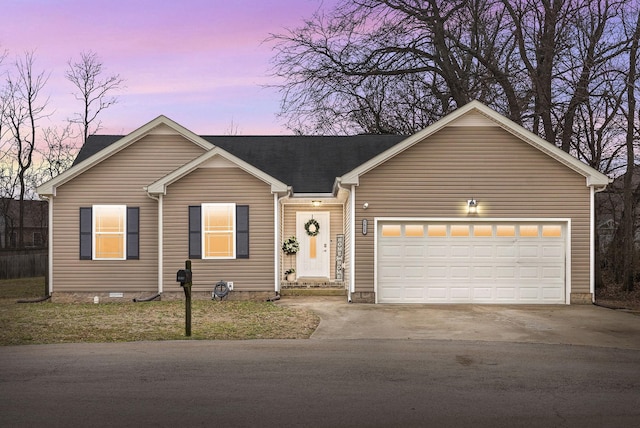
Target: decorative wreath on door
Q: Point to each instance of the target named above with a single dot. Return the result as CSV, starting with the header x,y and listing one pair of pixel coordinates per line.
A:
x,y
312,227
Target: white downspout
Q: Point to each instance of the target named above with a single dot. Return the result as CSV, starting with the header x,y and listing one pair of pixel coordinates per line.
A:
x,y
352,255
160,244
592,242
351,235
50,240
276,246
160,239
278,236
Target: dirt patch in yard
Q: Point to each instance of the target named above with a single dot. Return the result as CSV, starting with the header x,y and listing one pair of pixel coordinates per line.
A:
x,y
615,298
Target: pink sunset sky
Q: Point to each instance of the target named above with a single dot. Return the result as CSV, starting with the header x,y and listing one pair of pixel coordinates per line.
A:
x,y
202,63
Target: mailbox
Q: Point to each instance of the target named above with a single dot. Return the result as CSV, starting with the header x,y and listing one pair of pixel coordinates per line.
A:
x,y
183,276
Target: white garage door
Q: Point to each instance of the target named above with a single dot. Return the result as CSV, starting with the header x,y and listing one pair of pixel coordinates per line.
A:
x,y
480,262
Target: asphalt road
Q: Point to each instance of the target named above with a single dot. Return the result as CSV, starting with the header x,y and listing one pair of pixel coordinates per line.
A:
x,y
319,383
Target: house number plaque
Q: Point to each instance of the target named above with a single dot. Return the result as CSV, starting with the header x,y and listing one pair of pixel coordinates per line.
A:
x,y
365,225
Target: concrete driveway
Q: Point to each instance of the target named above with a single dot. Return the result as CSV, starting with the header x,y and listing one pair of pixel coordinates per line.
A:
x,y
549,324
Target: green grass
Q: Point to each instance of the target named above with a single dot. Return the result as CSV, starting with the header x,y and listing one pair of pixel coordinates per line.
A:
x,y
46,322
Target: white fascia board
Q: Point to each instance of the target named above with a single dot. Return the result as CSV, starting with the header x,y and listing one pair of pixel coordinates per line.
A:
x,y
160,186
599,182
594,177
49,187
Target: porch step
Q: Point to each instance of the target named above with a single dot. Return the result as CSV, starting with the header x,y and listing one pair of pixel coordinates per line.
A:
x,y
316,291
312,287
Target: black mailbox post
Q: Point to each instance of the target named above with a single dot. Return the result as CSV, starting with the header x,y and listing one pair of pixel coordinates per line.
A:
x,y
183,276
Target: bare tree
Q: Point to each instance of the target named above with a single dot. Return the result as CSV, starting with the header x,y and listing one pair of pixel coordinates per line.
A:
x,y
8,186
23,108
57,152
372,64
628,219
93,89
7,175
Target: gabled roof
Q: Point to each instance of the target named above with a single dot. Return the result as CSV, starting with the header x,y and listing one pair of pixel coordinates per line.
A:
x,y
105,147
593,177
160,186
309,164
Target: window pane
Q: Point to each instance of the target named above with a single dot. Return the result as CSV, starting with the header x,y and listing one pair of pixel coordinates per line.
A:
x,y
109,246
552,231
484,230
437,230
109,219
459,230
529,231
218,218
414,230
219,245
109,227
505,230
218,234
390,230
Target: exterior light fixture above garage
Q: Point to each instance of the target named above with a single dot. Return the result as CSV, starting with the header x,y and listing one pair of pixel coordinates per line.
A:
x,y
316,203
472,206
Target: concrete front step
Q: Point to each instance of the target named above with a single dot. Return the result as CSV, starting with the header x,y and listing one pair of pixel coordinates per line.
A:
x,y
315,291
312,287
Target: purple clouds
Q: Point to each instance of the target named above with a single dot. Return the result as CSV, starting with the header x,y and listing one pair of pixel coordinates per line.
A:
x,y
202,63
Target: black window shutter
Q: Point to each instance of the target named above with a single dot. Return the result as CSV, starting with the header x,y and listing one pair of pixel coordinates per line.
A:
x,y
133,233
195,239
85,233
242,231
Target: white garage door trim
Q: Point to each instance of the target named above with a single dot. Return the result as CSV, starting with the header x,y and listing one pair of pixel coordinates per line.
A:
x,y
566,222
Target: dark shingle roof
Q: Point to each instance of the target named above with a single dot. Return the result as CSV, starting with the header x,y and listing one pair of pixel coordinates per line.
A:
x,y
308,163
94,144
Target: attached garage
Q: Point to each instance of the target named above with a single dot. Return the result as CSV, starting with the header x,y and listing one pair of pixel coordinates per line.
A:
x,y
485,261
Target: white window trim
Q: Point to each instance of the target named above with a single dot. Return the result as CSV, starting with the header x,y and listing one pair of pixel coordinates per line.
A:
x,y
203,207
94,210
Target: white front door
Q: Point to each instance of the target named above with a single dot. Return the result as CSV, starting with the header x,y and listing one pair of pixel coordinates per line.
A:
x,y
313,258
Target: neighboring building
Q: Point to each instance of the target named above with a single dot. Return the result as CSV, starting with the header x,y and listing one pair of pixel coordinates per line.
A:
x,y
473,209
610,209
34,228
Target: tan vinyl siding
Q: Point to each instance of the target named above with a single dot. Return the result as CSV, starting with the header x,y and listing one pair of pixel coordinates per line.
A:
x,y
117,180
220,185
336,218
508,177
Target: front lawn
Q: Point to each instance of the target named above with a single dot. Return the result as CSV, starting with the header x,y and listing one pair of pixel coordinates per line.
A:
x,y
46,322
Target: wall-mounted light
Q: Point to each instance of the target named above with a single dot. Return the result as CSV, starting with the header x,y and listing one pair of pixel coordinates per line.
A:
x,y
472,206
365,205
316,203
